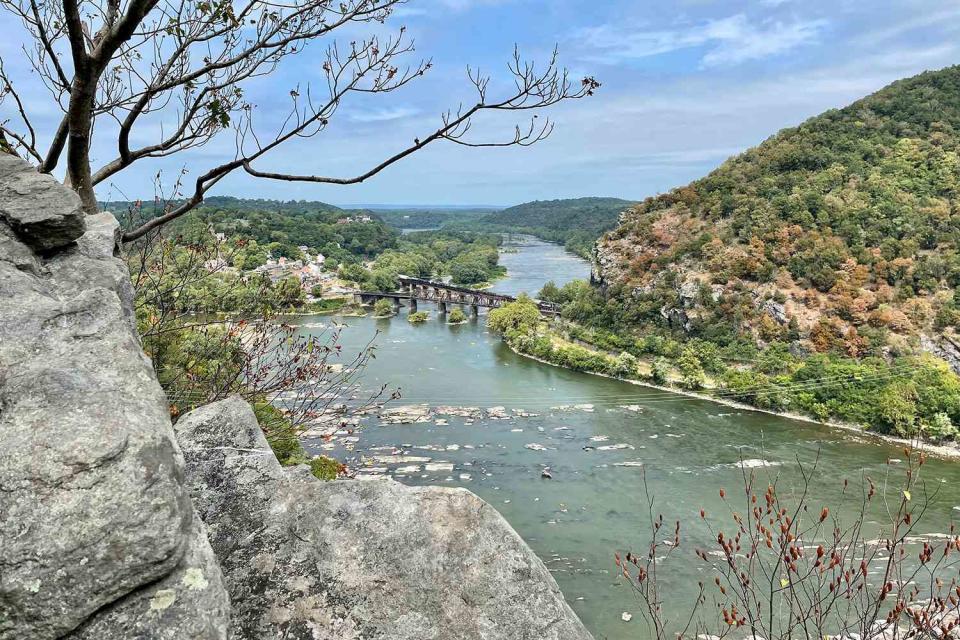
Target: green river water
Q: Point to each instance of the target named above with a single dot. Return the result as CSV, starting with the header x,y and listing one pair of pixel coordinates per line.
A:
x,y
592,507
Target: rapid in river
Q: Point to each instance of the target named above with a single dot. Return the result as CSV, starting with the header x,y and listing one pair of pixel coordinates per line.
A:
x,y
597,436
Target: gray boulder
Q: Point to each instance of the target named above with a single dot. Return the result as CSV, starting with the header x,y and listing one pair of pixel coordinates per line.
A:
x,y
189,602
689,293
305,559
777,311
676,318
91,478
37,208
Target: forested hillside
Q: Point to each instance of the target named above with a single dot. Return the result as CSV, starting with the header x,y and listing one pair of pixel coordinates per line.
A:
x,y
428,218
808,274
575,223
342,234
235,204
562,215
275,227
842,232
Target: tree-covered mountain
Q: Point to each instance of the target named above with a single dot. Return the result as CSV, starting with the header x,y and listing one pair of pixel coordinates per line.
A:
x,y
562,215
342,235
808,274
232,203
841,235
576,222
273,227
418,218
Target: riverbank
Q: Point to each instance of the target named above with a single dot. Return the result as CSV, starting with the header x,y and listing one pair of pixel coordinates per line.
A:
x,y
606,444
950,451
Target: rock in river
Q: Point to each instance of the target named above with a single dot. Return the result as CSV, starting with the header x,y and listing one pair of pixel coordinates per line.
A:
x,y
406,414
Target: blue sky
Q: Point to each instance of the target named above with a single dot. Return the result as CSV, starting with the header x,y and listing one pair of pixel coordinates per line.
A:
x,y
685,84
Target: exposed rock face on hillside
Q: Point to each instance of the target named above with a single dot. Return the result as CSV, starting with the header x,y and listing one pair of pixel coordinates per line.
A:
x,y
946,347
104,536
358,559
94,509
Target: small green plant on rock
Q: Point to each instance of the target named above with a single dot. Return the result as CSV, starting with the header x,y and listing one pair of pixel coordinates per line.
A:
x,y
280,434
383,308
325,468
457,316
418,317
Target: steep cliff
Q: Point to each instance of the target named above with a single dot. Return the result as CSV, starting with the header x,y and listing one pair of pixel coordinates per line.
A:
x,y
98,535
106,533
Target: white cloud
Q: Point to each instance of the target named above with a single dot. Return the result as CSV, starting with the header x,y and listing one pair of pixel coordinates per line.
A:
x,y
741,41
729,41
946,19
409,12
383,115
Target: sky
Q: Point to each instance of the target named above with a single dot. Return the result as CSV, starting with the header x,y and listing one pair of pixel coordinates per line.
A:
x,y
686,84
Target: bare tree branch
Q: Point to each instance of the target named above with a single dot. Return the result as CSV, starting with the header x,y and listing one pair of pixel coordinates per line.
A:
x,y
27,142
144,63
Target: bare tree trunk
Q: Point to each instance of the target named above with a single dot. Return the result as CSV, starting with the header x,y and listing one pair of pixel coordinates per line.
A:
x,y
79,177
56,148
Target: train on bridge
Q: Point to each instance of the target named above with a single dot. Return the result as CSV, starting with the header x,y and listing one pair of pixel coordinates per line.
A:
x,y
442,294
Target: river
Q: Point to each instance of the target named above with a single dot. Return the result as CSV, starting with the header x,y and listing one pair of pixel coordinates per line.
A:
x,y
594,505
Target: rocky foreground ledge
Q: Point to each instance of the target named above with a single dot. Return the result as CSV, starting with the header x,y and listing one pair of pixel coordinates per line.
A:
x,y
358,559
113,526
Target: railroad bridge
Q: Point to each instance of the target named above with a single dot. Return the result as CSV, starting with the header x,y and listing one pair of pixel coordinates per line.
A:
x,y
416,289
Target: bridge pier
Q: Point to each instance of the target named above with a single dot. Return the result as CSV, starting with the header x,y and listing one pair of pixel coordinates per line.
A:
x,y
475,311
442,307
413,305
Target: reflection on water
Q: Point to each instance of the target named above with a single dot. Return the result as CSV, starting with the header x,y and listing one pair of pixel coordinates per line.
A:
x,y
593,505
